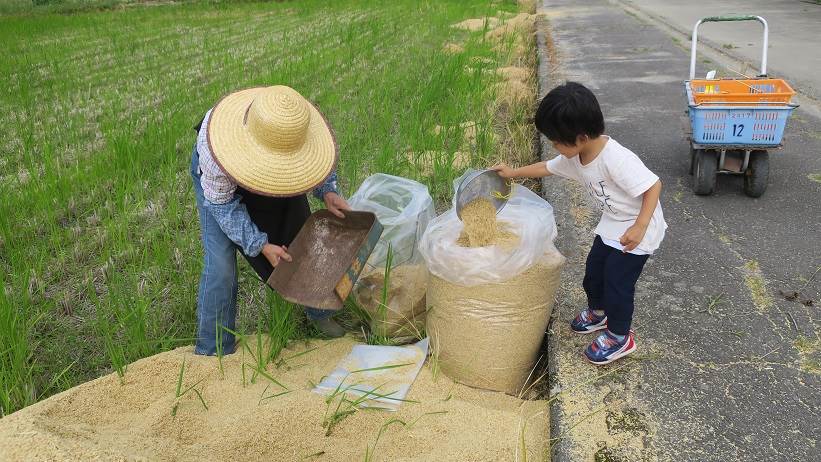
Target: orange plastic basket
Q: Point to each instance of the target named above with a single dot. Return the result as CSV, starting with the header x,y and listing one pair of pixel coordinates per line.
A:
x,y
741,92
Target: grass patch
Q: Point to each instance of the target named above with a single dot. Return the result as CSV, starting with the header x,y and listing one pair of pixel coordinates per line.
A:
x,y
100,267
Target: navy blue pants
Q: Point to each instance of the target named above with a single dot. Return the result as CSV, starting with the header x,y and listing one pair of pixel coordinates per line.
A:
x,y
610,283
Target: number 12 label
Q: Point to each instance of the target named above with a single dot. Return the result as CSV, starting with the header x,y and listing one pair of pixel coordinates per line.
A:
x,y
737,129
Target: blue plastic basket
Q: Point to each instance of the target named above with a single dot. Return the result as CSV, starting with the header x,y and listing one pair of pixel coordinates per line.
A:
x,y
750,124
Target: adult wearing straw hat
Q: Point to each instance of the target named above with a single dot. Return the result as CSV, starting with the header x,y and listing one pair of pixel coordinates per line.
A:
x,y
259,151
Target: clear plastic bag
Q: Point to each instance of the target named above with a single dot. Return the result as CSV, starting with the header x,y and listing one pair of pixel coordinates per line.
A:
x,y
403,313
525,215
404,208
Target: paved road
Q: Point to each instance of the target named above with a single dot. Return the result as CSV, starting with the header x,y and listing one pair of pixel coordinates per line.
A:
x,y
727,368
794,50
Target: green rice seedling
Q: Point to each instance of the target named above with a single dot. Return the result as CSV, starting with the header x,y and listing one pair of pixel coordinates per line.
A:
x,y
557,439
262,397
522,446
387,282
179,392
218,333
314,455
434,363
17,370
280,324
266,375
414,421
114,349
370,451
346,406
284,361
378,338
107,331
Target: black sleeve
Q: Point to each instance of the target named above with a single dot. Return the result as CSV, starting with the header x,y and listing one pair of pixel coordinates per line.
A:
x,y
199,125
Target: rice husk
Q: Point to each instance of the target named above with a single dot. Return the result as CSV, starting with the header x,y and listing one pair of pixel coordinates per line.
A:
x,y
106,420
480,226
523,24
475,24
515,73
453,48
514,93
404,315
528,6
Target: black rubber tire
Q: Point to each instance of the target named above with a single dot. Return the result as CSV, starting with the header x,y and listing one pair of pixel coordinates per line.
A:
x,y
704,175
758,174
692,159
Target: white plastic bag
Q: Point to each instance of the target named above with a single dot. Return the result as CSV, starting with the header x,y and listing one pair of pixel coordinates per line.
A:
x,y
526,215
404,208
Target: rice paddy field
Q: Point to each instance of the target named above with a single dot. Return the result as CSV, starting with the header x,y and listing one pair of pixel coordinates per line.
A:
x,y
100,252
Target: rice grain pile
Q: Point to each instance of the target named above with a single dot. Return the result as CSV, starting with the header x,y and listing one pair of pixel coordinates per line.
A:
x,y
106,420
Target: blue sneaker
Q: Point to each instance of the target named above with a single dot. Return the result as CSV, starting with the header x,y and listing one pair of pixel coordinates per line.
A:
x,y
607,348
587,321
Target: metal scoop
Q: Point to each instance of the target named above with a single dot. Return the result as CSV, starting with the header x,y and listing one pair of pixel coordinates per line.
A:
x,y
486,184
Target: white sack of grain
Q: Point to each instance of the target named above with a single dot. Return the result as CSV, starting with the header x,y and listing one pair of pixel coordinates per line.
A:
x,y
488,307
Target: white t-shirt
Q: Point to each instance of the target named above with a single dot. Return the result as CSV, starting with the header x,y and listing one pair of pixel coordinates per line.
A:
x,y
616,179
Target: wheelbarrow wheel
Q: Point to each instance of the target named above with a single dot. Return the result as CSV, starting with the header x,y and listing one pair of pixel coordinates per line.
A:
x,y
704,175
758,173
692,159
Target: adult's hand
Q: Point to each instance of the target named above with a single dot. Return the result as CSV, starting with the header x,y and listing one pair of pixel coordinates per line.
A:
x,y
275,253
336,204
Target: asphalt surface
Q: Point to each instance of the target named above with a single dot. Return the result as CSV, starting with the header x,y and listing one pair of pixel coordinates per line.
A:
x,y
794,33
727,367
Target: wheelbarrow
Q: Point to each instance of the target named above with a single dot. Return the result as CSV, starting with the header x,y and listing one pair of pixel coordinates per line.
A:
x,y
734,122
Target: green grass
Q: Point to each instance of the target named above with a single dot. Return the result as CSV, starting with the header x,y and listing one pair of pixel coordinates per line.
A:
x,y
99,237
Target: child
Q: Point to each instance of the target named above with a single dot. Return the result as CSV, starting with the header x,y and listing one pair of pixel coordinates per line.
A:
x,y
631,226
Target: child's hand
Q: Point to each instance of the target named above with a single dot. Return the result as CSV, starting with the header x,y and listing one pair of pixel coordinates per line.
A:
x,y
633,236
503,170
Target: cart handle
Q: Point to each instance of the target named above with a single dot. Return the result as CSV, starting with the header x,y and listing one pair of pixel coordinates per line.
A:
x,y
729,18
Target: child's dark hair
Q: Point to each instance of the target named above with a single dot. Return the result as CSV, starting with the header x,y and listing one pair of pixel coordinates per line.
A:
x,y
568,111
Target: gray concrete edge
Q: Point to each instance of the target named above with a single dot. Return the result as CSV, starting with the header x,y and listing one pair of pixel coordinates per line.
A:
x,y
546,79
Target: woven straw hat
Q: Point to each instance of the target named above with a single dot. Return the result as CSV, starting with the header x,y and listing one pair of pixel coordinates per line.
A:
x,y
272,141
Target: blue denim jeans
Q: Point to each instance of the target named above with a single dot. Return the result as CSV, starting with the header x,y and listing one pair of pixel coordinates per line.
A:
x,y
217,296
